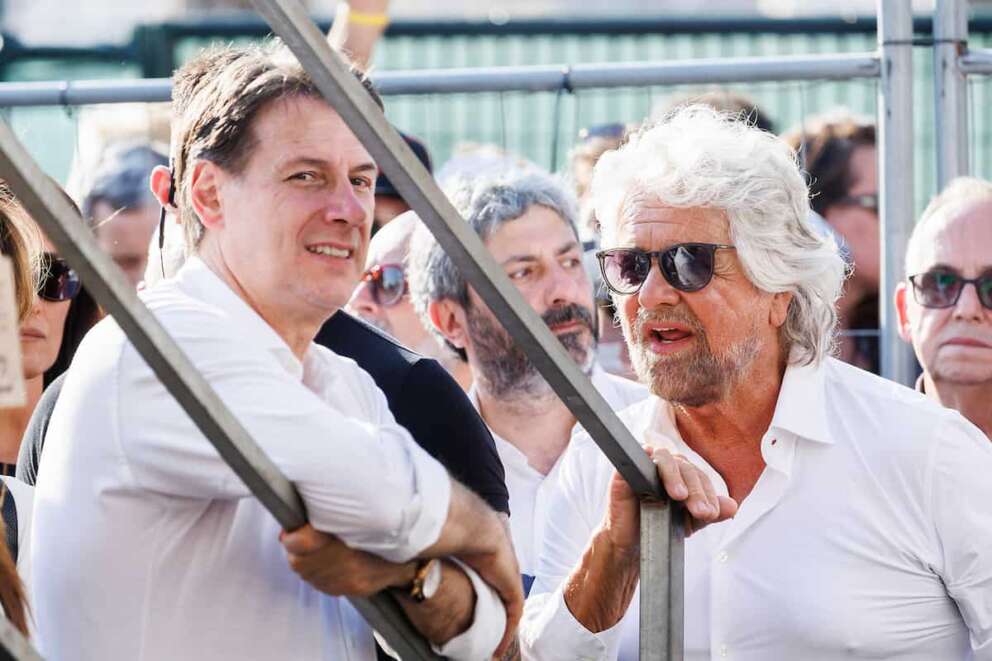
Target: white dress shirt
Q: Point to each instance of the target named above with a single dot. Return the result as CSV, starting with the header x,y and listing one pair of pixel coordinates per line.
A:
x,y
530,490
868,535
146,545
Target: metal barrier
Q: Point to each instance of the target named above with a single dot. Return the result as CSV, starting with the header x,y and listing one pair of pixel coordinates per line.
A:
x,y
661,560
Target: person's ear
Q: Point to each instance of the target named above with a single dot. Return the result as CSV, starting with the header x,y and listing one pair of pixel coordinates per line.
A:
x,y
902,315
448,317
204,186
160,181
778,312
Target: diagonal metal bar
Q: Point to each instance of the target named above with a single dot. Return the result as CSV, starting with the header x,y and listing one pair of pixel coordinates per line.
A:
x,y
46,204
660,577
13,645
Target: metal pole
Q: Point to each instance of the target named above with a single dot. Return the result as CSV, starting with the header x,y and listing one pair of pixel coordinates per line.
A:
x,y
950,33
662,615
13,645
545,78
895,158
976,61
74,241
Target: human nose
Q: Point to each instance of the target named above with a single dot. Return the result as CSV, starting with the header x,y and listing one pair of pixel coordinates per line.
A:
x,y
345,205
968,307
656,290
362,301
564,285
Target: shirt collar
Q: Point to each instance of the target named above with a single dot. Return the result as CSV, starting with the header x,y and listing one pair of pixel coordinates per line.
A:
x,y
801,407
921,386
197,279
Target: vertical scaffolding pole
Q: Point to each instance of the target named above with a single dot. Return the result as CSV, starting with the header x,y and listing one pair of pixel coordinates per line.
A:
x,y
895,160
662,579
950,33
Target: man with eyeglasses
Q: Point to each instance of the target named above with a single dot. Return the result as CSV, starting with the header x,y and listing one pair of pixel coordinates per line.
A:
x,y
861,523
945,305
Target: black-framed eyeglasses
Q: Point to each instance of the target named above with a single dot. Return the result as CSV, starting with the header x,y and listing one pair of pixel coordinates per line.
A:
x,y
868,201
687,267
59,282
388,283
940,288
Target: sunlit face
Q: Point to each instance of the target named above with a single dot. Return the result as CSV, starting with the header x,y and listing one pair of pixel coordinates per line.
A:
x,y
390,246
691,348
125,236
858,225
292,229
953,344
543,258
41,332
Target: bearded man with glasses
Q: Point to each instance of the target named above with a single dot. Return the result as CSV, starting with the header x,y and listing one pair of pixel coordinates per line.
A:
x,y
945,305
863,526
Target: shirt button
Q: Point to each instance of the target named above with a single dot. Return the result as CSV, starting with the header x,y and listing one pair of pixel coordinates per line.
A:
x,y
724,556
723,650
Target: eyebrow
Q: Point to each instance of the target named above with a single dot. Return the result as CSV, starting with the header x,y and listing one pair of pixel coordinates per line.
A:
x,y
312,161
568,247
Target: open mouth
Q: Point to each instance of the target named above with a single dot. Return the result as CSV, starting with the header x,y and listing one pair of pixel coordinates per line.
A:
x,y
665,339
331,251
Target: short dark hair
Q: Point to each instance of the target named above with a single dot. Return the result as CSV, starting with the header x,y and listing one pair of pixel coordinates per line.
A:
x,y
121,179
824,149
217,96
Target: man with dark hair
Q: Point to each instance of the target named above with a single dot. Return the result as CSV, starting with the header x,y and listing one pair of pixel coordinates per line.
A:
x,y
120,207
527,221
275,195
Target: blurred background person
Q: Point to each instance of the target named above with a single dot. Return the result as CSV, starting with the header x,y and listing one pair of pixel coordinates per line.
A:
x,y
120,207
60,315
838,152
383,297
945,304
388,202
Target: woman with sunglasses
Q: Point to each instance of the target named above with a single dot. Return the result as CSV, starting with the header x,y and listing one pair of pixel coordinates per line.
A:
x,y
60,314
21,245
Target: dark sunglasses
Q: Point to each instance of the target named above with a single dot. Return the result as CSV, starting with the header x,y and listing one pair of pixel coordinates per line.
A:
x,y
58,281
942,289
687,267
388,283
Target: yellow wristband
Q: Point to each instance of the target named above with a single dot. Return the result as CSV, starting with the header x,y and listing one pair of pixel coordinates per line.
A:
x,y
371,20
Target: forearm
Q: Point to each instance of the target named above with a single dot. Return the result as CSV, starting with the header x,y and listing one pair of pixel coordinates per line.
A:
x,y
600,589
471,527
446,614
357,26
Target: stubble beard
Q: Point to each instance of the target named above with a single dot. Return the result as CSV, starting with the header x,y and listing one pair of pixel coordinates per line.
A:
x,y
506,372
696,376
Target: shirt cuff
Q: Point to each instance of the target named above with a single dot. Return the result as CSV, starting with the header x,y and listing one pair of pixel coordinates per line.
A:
x,y
550,632
479,641
424,516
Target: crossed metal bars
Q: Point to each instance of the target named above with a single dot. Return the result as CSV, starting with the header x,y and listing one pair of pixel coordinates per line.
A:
x,y
661,561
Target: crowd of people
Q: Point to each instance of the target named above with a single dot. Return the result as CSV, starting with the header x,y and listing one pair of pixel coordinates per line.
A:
x,y
716,282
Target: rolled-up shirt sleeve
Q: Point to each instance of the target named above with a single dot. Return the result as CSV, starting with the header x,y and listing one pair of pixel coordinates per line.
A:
x,y
548,630
962,464
360,478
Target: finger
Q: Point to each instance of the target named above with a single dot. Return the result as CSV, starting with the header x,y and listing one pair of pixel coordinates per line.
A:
x,y
306,540
699,484
671,476
696,503
728,508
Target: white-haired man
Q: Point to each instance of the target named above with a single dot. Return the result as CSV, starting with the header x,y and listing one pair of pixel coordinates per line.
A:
x,y
527,221
945,305
864,528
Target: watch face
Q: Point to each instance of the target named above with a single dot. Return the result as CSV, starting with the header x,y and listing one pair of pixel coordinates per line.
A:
x,y
432,582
